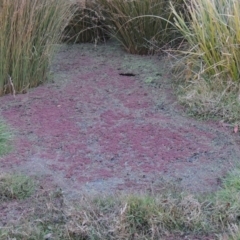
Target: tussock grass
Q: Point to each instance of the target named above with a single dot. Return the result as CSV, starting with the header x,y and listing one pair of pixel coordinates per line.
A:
x,y
86,25
141,26
28,29
210,62
132,216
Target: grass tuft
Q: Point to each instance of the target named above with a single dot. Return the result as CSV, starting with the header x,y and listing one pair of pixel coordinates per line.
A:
x,y
228,199
86,25
15,187
5,139
141,26
28,29
210,62
139,211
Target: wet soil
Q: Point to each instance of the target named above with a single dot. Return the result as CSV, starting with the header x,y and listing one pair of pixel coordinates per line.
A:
x,y
109,121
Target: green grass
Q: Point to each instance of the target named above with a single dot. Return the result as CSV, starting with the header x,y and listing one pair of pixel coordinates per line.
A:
x,y
5,138
131,216
14,186
29,29
230,194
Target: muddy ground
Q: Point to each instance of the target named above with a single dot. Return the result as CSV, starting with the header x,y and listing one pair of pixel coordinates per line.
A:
x,y
109,121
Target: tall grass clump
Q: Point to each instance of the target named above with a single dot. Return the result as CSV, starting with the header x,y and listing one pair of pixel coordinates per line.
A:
x,y
86,25
141,26
212,61
28,29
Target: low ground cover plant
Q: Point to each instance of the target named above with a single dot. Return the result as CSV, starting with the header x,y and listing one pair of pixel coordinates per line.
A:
x,y
211,61
28,29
